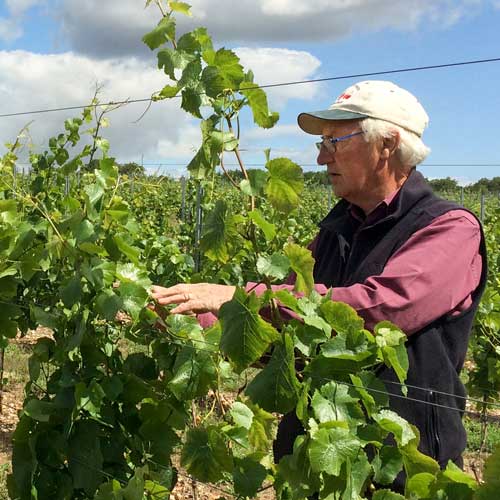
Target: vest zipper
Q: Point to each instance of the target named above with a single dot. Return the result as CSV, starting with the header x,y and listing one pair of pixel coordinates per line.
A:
x,y
433,434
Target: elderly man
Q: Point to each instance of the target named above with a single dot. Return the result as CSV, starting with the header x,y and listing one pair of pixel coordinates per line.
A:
x,y
392,250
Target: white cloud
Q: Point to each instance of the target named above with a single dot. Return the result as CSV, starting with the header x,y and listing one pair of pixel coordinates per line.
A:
x,y
11,27
299,8
32,81
18,7
183,146
274,65
277,131
9,30
115,27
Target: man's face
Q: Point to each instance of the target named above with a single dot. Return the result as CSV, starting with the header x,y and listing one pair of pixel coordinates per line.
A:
x,y
352,169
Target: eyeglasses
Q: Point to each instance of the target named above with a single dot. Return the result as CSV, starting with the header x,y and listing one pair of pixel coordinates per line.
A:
x,y
330,143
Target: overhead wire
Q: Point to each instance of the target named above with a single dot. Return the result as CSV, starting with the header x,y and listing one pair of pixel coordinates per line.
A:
x,y
266,86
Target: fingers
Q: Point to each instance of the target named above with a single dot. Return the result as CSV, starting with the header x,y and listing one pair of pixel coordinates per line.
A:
x,y
186,308
172,295
173,299
193,298
184,295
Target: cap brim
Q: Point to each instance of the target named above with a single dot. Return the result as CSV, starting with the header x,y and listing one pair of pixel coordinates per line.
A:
x,y
314,121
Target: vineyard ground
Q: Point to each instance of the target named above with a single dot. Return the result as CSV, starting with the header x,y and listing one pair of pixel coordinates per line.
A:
x,y
16,375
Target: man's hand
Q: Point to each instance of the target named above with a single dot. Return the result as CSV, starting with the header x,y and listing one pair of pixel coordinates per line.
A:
x,y
193,298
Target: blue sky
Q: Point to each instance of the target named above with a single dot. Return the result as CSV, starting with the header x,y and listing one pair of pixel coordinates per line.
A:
x,y
53,51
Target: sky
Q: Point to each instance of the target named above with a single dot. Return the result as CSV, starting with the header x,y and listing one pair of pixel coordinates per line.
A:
x,y
53,53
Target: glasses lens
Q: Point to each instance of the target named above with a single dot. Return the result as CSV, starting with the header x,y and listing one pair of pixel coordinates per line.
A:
x,y
318,145
327,143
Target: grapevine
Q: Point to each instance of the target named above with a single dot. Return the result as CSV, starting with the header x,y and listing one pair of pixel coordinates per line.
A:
x,y
111,406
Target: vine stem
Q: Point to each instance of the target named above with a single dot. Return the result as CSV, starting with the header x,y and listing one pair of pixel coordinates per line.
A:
x,y
228,175
240,163
484,423
2,357
164,14
28,199
195,424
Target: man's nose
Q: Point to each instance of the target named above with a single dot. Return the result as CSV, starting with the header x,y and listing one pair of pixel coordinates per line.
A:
x,y
324,156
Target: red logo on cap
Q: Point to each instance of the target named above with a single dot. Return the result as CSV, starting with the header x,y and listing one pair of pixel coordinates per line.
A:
x,y
343,97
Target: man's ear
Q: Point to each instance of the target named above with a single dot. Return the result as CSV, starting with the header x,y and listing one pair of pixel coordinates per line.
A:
x,y
390,146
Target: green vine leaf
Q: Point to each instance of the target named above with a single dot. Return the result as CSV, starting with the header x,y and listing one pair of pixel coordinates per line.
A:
x,y
387,464
230,68
213,81
391,341
191,101
263,429
245,335
168,92
85,457
219,233
332,402
302,264
248,476
164,32
191,75
39,410
242,415
195,372
342,317
415,462
257,100
330,448
274,266
204,39
169,60
188,43
255,184
275,388
284,185
205,454
372,391
267,228
182,7
390,421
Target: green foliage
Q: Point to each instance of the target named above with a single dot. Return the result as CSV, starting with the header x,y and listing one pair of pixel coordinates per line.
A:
x,y
284,185
276,387
245,335
101,420
206,455
446,185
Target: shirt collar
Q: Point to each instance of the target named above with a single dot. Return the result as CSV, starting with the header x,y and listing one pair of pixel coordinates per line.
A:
x,y
383,209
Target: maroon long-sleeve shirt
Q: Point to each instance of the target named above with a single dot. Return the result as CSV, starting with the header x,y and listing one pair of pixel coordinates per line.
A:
x,y
435,272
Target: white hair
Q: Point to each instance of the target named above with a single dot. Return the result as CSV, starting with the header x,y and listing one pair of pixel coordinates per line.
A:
x,y
411,150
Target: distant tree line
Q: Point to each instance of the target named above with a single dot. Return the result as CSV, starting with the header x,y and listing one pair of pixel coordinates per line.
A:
x,y
320,178
451,185
129,169
439,185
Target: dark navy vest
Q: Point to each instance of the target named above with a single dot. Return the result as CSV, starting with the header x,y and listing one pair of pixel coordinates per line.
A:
x,y
348,253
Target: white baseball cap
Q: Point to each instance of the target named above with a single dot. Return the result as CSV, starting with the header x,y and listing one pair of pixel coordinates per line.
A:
x,y
370,99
